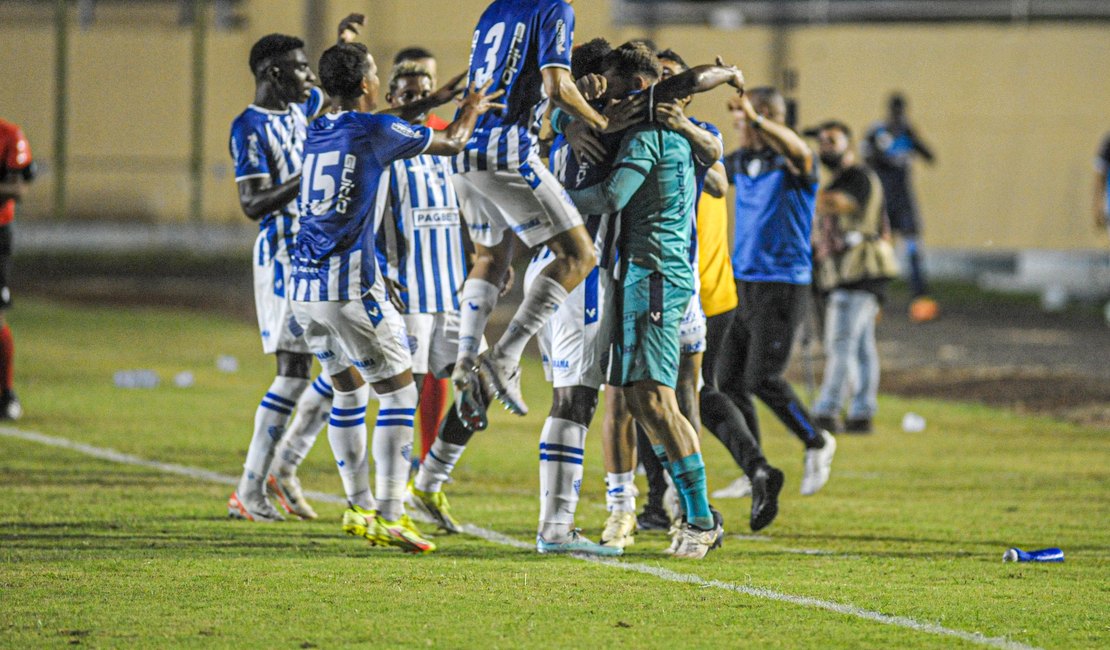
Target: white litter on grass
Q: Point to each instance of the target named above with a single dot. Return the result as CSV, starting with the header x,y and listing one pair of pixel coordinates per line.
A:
x,y
184,379
499,538
227,363
913,423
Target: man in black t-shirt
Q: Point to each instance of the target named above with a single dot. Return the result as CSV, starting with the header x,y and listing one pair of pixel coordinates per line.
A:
x,y
854,264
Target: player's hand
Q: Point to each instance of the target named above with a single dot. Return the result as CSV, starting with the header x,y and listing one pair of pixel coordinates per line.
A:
x,y
737,79
394,289
592,86
450,90
584,142
670,116
350,27
507,285
625,113
478,101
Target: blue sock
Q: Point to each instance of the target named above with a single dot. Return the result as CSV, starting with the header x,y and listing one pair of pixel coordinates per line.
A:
x,y
689,476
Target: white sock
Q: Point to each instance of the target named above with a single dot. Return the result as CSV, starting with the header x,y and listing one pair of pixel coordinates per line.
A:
x,y
269,426
313,409
475,304
543,298
347,436
561,452
621,493
393,449
437,465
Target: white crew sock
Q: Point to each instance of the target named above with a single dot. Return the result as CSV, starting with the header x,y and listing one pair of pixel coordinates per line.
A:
x,y
561,452
347,436
437,466
543,298
269,426
620,493
475,304
393,449
313,410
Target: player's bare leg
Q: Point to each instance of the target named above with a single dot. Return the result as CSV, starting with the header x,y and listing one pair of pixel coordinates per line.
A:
x,y
618,443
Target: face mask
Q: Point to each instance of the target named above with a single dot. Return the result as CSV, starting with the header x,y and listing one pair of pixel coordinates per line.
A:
x,y
831,160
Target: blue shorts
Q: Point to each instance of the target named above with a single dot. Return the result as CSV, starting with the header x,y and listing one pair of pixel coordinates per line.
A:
x,y
646,344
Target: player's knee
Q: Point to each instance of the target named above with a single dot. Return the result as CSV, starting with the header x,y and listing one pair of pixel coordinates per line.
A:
x,y
293,364
575,406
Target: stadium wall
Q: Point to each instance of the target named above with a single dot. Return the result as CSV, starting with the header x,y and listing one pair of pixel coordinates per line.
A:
x,y
1013,111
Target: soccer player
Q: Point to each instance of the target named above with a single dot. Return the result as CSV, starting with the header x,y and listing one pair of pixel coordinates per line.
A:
x,y
267,142
776,187
652,183
523,48
17,169
427,60
420,248
1101,202
339,297
889,149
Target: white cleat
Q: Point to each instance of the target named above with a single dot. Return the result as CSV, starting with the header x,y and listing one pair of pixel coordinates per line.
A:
x,y
620,529
738,489
818,465
287,490
693,543
469,402
502,377
257,509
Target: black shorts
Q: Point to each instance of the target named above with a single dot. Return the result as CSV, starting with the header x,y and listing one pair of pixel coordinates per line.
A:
x,y
5,265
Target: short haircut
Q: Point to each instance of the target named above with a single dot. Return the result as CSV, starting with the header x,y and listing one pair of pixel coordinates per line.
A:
x,y
671,55
342,68
407,69
270,47
586,58
834,125
412,54
897,101
633,58
766,95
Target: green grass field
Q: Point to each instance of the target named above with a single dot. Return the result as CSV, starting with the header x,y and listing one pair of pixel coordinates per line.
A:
x,y
912,526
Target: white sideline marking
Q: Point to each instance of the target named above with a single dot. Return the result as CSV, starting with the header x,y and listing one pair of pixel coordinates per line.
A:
x,y
104,453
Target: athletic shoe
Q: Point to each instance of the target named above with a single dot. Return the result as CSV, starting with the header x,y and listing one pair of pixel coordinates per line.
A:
x,y
258,509
653,519
830,423
818,465
738,489
359,523
693,542
672,502
469,403
858,425
502,377
10,408
431,507
287,490
766,486
576,543
401,534
619,529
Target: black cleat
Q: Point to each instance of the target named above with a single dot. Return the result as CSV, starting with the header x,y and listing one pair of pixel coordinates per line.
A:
x,y
858,425
653,519
766,485
10,408
830,423
719,522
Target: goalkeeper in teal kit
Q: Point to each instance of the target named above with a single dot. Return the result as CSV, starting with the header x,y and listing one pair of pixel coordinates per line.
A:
x,y
652,185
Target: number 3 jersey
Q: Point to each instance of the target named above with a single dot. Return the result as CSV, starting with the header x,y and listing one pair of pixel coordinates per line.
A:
x,y
419,241
346,157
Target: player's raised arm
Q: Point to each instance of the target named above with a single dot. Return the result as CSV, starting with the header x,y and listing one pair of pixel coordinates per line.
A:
x,y
444,94
707,147
769,121
699,79
259,197
453,139
564,94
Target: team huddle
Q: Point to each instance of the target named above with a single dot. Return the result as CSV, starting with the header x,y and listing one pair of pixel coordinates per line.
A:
x,y
386,242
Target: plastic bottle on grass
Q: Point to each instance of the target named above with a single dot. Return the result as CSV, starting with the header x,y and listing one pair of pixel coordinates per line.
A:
x,y
135,378
1042,555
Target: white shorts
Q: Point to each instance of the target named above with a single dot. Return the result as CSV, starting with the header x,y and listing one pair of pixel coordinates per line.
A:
x,y
368,334
529,201
574,342
691,331
433,340
271,302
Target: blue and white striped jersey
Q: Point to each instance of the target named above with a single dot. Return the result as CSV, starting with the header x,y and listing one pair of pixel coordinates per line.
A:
x,y
270,144
419,240
346,156
514,40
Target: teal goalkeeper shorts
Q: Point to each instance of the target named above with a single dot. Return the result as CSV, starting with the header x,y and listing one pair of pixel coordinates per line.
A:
x,y
646,344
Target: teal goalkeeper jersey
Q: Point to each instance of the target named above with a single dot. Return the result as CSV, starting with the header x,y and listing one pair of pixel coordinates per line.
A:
x,y
652,185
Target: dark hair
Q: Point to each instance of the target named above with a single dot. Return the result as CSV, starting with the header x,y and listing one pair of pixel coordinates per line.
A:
x,y
586,58
829,125
671,55
270,47
342,68
631,59
766,95
897,100
412,53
